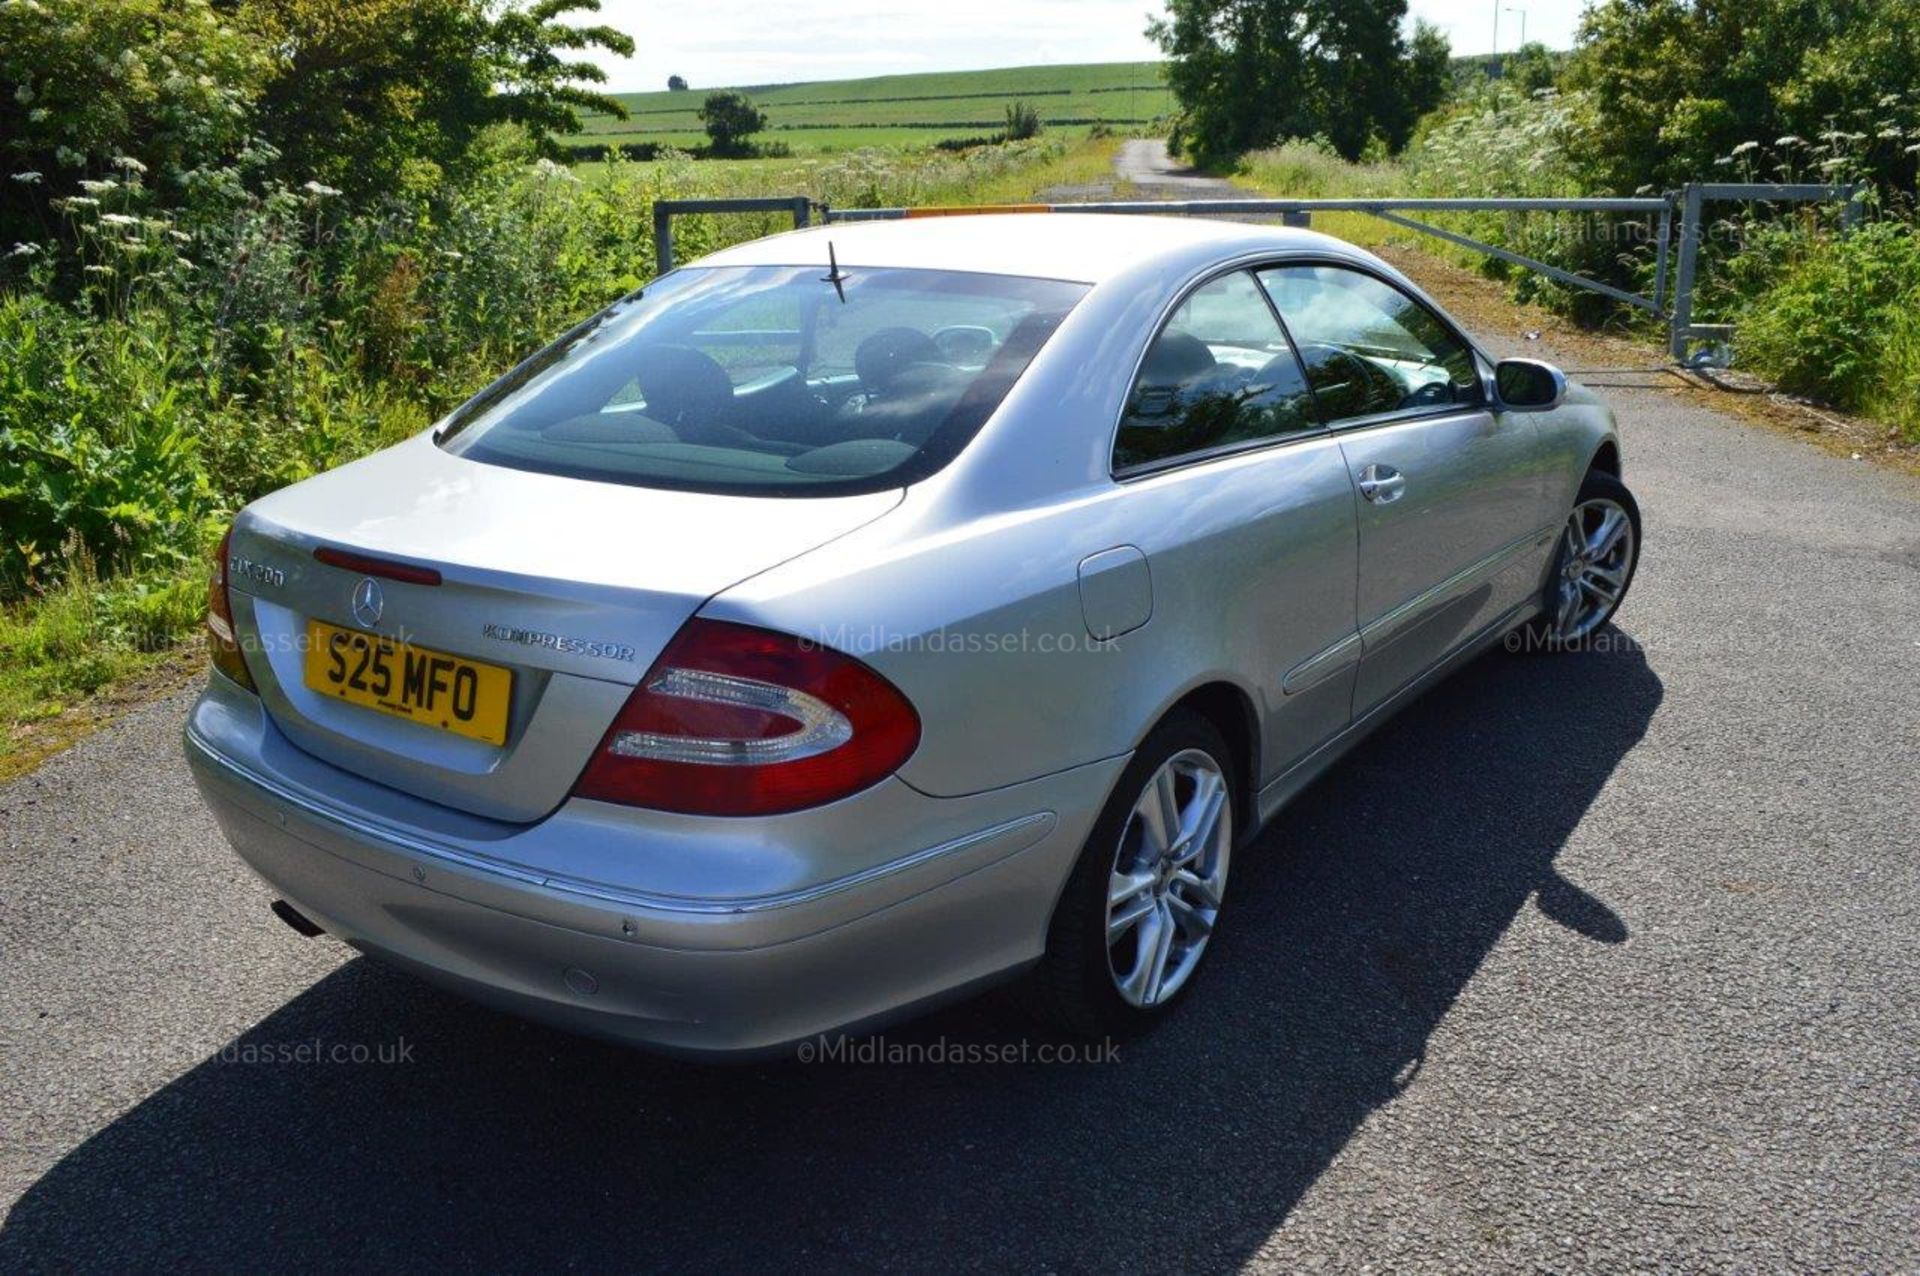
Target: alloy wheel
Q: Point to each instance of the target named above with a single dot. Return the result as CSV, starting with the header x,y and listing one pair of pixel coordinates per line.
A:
x,y
1168,877
1596,558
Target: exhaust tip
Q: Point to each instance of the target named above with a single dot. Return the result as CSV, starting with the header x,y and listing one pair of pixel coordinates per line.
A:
x,y
295,918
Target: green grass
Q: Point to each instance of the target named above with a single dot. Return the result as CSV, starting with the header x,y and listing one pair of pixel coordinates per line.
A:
x,y
826,116
61,648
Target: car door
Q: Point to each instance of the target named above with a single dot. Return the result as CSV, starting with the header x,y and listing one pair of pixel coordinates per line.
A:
x,y
1448,491
1240,500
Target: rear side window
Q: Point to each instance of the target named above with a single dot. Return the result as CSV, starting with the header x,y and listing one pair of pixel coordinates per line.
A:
x,y
1370,349
770,380
1220,374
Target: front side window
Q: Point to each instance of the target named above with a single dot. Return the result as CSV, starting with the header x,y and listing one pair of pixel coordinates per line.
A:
x,y
769,380
1219,374
1369,348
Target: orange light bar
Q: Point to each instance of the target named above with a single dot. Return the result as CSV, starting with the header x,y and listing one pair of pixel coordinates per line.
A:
x,y
980,208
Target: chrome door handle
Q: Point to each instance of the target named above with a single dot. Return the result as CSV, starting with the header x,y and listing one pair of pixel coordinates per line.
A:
x,y
1382,484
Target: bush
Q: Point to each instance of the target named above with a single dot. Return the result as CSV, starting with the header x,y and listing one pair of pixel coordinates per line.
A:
x,y
1023,122
1841,320
99,442
166,84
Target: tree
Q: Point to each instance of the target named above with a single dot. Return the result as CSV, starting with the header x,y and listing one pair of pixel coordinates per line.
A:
x,y
374,95
730,118
677,83
1248,73
1531,67
540,89
1429,71
1673,86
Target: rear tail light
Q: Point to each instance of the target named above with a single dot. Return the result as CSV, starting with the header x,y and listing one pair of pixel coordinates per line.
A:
x,y
732,720
223,642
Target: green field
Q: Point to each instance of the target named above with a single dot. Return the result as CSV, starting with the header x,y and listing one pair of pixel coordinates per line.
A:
x,y
825,116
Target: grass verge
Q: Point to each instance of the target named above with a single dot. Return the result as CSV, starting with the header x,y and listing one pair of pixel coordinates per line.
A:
x,y
68,653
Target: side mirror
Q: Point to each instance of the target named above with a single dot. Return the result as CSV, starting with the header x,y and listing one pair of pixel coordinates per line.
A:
x,y
1528,385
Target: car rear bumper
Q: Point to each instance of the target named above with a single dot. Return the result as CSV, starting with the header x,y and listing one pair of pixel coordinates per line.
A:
x,y
492,913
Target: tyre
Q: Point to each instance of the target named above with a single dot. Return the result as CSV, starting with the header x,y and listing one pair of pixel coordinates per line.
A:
x,y
1593,567
1135,920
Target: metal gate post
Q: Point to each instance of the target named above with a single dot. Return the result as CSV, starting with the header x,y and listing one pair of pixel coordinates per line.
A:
x,y
1665,251
1690,235
662,238
1853,211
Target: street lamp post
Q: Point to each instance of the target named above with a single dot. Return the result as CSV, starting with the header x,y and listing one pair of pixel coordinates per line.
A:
x,y
1523,25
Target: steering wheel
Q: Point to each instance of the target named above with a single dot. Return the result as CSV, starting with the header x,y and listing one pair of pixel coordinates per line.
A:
x,y
1433,394
1333,370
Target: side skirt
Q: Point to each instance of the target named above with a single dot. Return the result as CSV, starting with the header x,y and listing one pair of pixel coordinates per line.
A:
x,y
1282,789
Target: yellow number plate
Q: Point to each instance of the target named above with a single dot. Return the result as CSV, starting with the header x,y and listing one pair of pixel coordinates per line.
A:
x,y
429,687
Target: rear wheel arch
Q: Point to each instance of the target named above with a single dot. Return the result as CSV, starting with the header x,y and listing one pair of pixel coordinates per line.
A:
x,y
1230,709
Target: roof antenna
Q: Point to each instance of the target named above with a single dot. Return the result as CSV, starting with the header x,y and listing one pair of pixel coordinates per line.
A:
x,y
835,276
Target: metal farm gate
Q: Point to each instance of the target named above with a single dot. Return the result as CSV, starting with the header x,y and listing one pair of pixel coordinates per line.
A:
x,y
1679,215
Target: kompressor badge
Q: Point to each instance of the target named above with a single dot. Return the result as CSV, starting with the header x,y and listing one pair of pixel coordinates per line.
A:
x,y
557,642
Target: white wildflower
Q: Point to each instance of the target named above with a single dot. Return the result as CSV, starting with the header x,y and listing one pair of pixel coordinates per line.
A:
x,y
319,191
38,115
1791,140
129,164
78,201
68,157
24,95
28,178
1832,164
25,250
99,270
118,219
100,187
1746,147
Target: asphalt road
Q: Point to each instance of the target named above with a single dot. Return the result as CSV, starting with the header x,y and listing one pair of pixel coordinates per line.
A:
x,y
1601,961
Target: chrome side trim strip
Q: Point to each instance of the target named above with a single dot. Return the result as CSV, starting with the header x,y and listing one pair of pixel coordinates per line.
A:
x,y
1402,619
1022,832
1316,669
1275,793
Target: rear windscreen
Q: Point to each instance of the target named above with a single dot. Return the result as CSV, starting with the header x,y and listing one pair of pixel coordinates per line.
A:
x,y
770,380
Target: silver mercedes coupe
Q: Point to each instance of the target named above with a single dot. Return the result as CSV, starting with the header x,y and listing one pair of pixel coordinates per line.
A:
x,y
863,615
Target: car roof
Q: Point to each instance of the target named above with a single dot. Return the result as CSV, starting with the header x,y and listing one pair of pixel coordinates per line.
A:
x,y
1084,247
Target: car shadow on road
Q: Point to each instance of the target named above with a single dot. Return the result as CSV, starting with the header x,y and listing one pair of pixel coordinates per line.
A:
x,y
1358,918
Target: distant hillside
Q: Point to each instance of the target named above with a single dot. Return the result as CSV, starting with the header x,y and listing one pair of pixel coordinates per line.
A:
x,y
900,110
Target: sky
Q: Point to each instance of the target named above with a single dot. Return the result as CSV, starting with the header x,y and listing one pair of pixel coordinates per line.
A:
x,y
723,42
